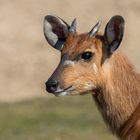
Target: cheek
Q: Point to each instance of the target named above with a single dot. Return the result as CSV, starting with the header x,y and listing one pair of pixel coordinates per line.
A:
x,y
81,79
69,75
85,83
84,87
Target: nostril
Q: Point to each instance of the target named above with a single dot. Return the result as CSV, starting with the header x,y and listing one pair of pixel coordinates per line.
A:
x,y
54,85
51,86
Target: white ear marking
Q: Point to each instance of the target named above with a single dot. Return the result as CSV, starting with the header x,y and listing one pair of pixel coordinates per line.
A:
x,y
55,31
95,68
69,62
48,30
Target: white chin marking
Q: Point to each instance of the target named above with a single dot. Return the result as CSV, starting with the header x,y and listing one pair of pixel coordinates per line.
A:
x,y
95,68
63,93
69,62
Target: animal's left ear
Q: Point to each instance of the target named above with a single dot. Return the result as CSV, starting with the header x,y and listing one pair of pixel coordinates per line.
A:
x,y
114,33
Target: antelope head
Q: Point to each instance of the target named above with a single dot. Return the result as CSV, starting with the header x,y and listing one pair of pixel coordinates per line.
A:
x,y
81,69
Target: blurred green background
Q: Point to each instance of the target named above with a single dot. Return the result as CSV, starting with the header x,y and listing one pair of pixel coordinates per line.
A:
x,y
27,112
63,118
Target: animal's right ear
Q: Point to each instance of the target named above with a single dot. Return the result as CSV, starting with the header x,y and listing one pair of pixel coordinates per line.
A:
x,y
55,30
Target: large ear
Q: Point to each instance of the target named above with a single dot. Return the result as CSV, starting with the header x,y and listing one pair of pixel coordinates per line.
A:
x,y
55,31
114,33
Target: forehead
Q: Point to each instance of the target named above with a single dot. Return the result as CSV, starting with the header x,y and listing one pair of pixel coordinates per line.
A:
x,y
76,44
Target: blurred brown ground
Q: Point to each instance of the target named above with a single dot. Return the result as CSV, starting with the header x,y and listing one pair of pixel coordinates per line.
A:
x,y
26,60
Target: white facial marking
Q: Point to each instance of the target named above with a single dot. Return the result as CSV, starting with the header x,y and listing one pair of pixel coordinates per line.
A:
x,y
69,62
63,93
59,90
95,68
62,46
89,85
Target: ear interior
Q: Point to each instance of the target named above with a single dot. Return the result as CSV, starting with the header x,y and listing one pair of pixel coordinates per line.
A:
x,y
114,33
55,31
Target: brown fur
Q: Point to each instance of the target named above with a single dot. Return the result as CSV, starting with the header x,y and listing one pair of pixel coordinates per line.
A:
x,y
119,94
117,90
131,129
92,63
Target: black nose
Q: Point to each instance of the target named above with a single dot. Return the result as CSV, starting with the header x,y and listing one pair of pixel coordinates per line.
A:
x,y
51,85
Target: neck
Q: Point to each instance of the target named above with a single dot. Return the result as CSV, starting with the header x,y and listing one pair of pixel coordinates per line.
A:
x,y
119,94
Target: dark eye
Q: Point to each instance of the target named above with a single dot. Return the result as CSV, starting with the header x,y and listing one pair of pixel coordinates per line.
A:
x,y
87,55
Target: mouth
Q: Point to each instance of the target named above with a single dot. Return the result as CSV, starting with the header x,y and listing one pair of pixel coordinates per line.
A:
x,y
63,92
